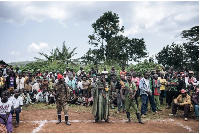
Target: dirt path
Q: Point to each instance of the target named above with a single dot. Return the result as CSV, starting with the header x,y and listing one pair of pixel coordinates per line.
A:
x,y
43,121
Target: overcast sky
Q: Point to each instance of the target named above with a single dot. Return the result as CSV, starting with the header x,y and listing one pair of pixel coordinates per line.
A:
x,y
27,28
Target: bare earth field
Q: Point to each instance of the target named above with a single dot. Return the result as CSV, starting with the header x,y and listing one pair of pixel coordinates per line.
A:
x,y
33,119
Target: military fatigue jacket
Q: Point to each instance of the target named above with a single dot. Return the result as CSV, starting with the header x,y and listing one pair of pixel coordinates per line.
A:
x,y
61,91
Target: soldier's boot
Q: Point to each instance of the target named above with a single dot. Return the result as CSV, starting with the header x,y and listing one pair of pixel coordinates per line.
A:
x,y
96,118
59,119
107,120
128,116
66,120
139,118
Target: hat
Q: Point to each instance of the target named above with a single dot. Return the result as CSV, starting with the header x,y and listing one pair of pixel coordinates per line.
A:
x,y
183,91
64,73
59,76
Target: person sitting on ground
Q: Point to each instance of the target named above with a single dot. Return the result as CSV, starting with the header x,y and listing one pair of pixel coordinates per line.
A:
x,y
33,96
26,98
28,86
5,116
195,100
17,104
72,98
80,100
182,102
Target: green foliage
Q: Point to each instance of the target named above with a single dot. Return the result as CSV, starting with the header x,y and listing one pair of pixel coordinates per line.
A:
x,y
110,45
63,55
182,56
192,35
145,66
172,55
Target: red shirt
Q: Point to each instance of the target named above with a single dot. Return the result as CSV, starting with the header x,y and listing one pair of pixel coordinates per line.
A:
x,y
156,90
123,73
136,79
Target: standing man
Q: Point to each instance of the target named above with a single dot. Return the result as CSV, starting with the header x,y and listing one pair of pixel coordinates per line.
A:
x,y
100,101
145,91
151,97
173,91
20,83
79,72
130,92
2,83
92,72
136,81
62,96
11,81
123,71
106,74
162,88
120,86
17,104
113,73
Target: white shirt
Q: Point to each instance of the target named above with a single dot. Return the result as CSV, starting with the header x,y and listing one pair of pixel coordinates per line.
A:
x,y
17,102
105,72
36,86
66,79
20,83
4,71
80,85
5,107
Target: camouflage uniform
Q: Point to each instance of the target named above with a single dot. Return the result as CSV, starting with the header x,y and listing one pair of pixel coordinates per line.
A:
x,y
62,96
100,104
130,101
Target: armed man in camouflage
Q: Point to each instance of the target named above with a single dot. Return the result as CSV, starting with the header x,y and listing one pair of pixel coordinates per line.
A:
x,y
62,96
101,100
130,92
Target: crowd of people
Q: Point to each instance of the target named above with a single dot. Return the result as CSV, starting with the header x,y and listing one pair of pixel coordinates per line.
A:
x,y
102,90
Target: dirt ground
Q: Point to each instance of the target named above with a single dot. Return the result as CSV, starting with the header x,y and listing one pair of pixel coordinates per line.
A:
x,y
43,121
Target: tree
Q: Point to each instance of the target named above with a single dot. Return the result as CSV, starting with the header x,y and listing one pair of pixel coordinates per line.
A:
x,y
110,45
192,35
63,55
182,56
171,55
191,48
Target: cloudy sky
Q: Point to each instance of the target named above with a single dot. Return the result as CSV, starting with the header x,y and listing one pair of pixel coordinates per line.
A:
x,y
27,28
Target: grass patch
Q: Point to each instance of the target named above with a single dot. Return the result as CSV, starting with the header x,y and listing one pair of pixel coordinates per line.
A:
x,y
40,105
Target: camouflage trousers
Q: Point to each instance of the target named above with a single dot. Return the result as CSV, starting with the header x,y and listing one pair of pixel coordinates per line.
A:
x,y
62,105
131,103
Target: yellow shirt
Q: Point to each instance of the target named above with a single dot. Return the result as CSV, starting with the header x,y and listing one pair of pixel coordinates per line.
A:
x,y
1,81
162,81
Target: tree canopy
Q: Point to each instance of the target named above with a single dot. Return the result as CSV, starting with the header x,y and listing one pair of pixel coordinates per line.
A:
x,y
110,45
182,56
